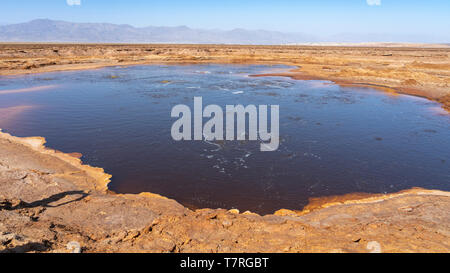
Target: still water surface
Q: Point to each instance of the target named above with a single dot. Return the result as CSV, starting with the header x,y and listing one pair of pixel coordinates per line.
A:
x,y
333,140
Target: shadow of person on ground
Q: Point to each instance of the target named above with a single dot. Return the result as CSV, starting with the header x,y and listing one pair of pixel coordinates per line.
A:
x,y
28,247
46,202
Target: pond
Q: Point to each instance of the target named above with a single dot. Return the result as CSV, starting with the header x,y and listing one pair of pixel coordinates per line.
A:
x,y
333,140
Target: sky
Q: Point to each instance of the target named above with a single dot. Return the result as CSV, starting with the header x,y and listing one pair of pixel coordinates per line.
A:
x,y
429,18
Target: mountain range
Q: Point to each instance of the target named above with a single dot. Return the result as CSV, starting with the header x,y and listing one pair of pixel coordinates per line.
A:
x,y
45,30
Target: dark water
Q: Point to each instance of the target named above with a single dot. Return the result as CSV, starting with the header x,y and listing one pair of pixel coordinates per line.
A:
x,y
333,140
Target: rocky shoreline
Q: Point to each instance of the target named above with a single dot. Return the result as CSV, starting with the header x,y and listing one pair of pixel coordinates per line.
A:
x,y
50,202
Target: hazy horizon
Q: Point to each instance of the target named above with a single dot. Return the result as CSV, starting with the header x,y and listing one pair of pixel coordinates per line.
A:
x,y
398,21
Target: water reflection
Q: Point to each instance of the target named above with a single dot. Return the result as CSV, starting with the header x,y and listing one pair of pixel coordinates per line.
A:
x,y
334,140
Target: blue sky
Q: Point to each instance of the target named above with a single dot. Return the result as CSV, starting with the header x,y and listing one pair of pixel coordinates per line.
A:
x,y
318,17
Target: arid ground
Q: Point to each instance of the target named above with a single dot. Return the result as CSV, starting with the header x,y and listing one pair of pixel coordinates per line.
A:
x,y
50,202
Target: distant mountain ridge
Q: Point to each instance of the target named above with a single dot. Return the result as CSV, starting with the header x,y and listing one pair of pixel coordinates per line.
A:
x,y
45,30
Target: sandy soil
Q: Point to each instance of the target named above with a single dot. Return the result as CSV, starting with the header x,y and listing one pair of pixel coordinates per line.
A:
x,y
50,202
411,70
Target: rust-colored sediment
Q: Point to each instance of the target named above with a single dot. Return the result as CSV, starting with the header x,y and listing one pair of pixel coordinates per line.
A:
x,y
317,203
